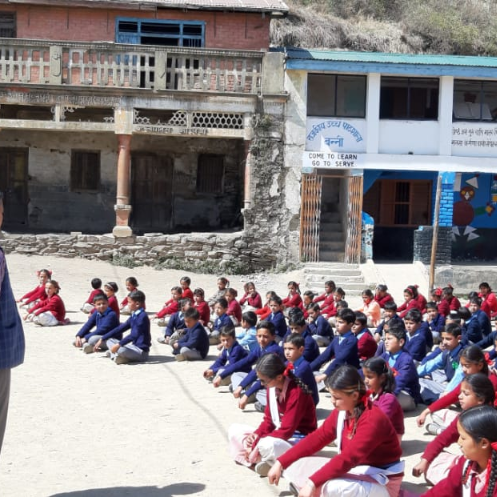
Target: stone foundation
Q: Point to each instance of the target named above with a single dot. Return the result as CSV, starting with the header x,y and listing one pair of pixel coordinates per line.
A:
x,y
222,249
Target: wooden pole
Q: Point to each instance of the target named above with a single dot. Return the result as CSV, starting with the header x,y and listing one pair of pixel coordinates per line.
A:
x,y
434,242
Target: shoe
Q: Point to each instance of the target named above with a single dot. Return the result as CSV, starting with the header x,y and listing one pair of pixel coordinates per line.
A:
x,y
107,354
262,468
161,339
120,360
180,357
230,388
259,407
433,429
293,489
87,348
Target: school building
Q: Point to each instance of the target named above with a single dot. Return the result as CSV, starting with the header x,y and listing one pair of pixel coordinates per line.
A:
x,y
371,133
137,117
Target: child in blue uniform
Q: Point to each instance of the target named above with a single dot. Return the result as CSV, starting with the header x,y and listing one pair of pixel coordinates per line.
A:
x,y
222,319
277,318
319,326
247,335
194,344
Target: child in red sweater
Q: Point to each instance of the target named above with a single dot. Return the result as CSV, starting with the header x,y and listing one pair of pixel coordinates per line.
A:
x,y
170,307
294,299
51,311
251,300
234,310
110,289
88,307
185,283
354,424
38,293
366,344
289,416
131,286
202,306
327,299
265,311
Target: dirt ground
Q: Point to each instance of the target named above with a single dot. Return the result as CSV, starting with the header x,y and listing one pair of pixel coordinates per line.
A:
x,y
81,426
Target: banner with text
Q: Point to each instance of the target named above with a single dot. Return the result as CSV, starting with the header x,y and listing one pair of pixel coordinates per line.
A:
x,y
335,135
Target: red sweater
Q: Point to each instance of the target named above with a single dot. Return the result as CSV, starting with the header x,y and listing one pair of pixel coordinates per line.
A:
x,y
375,443
252,299
491,302
235,310
407,306
37,294
366,345
93,294
187,294
297,413
328,306
383,300
170,307
54,305
452,485
204,311
448,437
445,306
292,300
421,303
264,312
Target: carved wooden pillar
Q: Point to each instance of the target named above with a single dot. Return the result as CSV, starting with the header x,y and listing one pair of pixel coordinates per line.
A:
x,y
123,207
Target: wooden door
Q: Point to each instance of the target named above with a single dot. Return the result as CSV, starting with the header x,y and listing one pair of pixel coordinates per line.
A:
x,y
151,193
14,185
310,217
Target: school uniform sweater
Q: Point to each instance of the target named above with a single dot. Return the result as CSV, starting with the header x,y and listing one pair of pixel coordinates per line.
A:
x,y
445,439
139,324
328,304
279,322
437,324
321,327
447,305
448,360
407,306
425,329
187,294
248,338
406,376
491,301
421,303
93,294
293,300
392,409
194,338
124,301
487,341
36,294
114,305
366,344
482,318
374,443
170,307
204,311
416,345
302,369
452,485
311,348
104,322
383,300
343,349
252,299
264,312
296,413
471,330
221,322
234,310
397,320
229,356
54,305
177,322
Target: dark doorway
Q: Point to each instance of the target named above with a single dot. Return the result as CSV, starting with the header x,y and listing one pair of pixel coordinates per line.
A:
x,y
14,184
151,193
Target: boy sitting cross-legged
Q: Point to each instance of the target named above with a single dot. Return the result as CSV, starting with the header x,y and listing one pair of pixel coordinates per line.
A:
x,y
194,344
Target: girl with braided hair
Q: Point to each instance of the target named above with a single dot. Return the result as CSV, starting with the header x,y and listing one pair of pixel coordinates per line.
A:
x,y
368,460
475,473
289,416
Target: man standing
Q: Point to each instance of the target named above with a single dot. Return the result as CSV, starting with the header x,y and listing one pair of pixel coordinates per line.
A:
x,y
11,336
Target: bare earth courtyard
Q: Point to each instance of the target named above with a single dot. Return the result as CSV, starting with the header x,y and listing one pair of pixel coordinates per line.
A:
x,y
82,426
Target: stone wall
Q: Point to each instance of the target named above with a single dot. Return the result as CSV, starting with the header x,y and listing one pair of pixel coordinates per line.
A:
x,y
423,237
222,249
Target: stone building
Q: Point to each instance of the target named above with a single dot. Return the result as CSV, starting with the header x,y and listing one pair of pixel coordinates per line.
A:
x,y
137,117
371,135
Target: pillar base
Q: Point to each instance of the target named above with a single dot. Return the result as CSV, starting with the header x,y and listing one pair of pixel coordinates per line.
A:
x,y
122,231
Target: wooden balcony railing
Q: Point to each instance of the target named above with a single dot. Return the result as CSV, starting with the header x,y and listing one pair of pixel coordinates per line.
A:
x,y
111,65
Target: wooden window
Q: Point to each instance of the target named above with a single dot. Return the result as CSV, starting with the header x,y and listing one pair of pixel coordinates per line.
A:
x,y
399,203
210,173
165,33
409,98
7,25
85,171
333,95
475,100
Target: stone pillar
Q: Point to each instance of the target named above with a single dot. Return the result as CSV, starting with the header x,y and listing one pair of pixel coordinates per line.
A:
x,y
373,113
123,207
248,174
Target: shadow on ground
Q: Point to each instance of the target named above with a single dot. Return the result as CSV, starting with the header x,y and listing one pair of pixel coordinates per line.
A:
x,y
169,491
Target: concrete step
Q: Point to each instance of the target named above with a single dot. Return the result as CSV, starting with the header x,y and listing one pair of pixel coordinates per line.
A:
x,y
325,226
331,255
348,292
330,246
331,217
332,269
339,280
331,236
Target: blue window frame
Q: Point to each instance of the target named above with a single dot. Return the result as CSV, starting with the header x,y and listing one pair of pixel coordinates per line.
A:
x,y
166,33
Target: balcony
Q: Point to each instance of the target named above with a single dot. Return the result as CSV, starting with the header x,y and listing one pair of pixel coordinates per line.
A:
x,y
111,65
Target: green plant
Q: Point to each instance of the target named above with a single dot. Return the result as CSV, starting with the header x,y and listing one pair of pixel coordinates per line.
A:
x,y
124,260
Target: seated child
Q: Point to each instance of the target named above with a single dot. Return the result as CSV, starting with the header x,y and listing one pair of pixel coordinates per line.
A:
x,y
435,464
471,328
471,475
307,299
435,320
135,346
436,295
110,289
370,308
380,381
186,292
202,306
131,285
287,418
326,300
234,310
222,320
294,299
339,303
448,302
442,365
170,307
265,311
416,344
50,311
222,285
407,388
104,319
390,317
297,324
476,312
232,352
484,304
366,344
319,327
276,317
382,296
244,383
343,348
176,326
251,300
38,293
96,284
410,302
247,335
194,344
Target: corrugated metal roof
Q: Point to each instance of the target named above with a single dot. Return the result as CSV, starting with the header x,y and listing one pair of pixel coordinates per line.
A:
x,y
391,58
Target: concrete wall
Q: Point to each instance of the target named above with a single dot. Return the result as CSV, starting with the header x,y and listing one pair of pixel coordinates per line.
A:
x,y
230,30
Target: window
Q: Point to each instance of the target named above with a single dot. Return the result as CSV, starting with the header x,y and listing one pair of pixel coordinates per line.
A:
x,y
332,95
409,98
7,25
85,171
210,174
399,202
475,100
166,33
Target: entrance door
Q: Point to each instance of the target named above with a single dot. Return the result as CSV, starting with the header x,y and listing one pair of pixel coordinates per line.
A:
x,y
14,185
151,192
